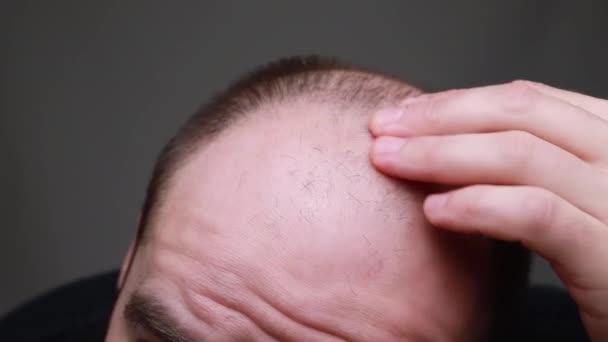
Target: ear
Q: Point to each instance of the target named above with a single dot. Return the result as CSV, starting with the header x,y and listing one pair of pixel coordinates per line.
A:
x,y
128,260
126,264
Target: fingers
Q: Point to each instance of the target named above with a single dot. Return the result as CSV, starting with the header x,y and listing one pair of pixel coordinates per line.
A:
x,y
572,240
539,219
540,156
515,106
591,104
511,157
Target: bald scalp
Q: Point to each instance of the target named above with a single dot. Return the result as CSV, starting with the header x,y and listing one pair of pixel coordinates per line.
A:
x,y
316,83
308,79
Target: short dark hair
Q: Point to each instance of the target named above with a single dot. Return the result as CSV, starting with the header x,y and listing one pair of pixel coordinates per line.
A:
x,y
325,80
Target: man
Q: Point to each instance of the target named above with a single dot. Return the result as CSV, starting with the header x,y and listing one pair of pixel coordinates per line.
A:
x,y
266,221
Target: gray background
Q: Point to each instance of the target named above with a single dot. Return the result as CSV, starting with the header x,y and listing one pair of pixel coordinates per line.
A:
x,y
89,91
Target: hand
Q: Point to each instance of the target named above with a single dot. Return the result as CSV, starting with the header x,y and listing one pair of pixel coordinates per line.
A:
x,y
531,165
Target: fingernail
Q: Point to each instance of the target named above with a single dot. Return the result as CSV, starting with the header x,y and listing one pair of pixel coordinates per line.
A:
x,y
387,145
386,116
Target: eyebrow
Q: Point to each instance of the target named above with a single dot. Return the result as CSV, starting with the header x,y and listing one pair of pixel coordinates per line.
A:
x,y
146,311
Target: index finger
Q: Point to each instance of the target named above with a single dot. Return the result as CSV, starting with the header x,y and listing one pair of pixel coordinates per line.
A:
x,y
514,106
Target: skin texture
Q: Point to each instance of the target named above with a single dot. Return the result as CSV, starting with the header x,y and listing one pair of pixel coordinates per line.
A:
x,y
280,229
545,150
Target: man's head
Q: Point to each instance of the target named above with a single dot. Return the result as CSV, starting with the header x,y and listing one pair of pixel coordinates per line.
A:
x,y
265,220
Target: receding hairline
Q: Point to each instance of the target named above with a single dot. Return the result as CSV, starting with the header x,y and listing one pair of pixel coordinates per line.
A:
x,y
315,79
308,76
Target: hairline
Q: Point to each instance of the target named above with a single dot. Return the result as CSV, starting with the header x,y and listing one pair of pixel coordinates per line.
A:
x,y
509,254
336,85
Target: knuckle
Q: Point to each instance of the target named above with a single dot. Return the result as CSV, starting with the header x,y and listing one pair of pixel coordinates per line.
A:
x,y
431,155
539,208
517,149
526,83
518,96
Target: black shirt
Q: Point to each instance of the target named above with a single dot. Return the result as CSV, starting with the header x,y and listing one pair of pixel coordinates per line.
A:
x,y
80,311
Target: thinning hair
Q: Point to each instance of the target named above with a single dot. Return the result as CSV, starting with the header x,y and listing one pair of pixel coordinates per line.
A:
x,y
319,80
316,79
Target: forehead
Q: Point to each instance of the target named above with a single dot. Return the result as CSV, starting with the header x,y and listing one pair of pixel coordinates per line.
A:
x,y
287,202
292,174
304,159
